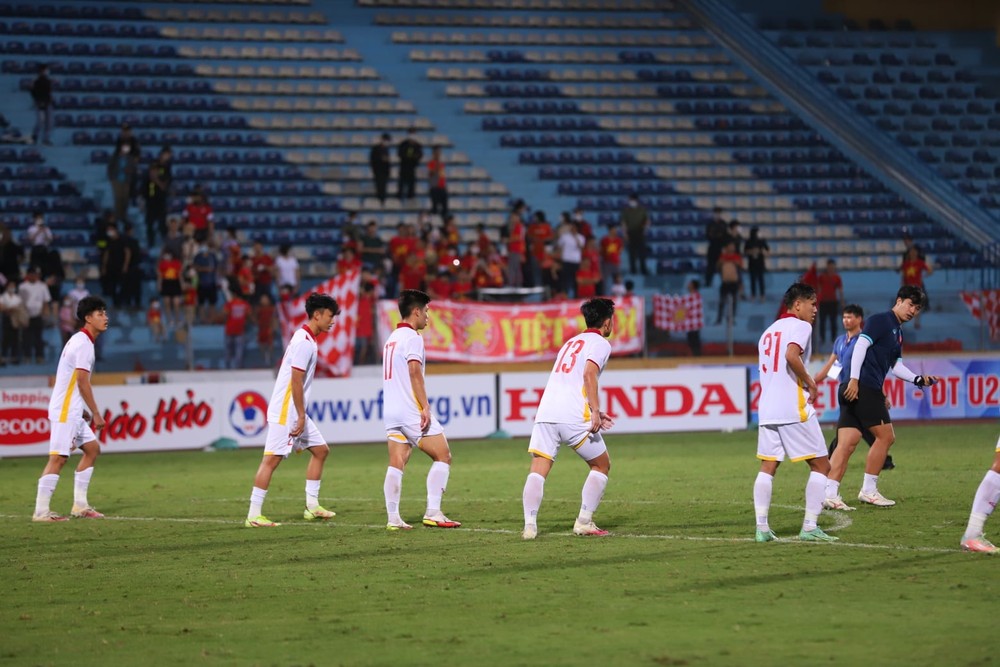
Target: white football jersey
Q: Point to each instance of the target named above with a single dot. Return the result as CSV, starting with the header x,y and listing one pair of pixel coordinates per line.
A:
x,y
77,355
399,405
565,399
783,400
301,355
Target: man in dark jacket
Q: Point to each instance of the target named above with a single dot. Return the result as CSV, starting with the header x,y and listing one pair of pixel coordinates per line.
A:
x,y
41,94
410,154
380,162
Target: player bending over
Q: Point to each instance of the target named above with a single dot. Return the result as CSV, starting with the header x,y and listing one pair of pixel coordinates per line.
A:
x,y
569,414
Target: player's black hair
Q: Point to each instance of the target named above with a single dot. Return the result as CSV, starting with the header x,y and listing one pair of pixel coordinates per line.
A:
x,y
409,299
597,311
88,305
317,301
914,293
798,291
854,309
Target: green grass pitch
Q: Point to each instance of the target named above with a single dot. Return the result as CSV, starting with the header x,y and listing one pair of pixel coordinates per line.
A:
x,y
172,578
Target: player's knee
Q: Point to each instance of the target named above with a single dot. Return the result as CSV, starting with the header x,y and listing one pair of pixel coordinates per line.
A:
x,y
443,457
320,452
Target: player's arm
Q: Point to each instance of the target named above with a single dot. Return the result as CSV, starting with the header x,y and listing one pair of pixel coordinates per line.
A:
x,y
87,394
299,401
793,356
906,375
590,391
857,359
420,392
821,375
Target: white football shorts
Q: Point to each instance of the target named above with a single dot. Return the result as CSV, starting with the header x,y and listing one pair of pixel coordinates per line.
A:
x,y
799,441
547,437
411,435
66,436
280,443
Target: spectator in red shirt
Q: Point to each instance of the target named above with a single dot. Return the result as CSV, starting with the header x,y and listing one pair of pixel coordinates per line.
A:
x,y
348,262
470,260
587,279
489,272
516,247
461,289
611,256
483,241
440,287
413,273
582,225
539,234
199,213
364,352
237,311
448,260
450,233
830,296
245,277
730,266
263,272
267,323
912,271
168,285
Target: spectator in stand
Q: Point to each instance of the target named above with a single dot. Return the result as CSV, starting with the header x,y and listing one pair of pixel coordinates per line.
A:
x,y
611,257
131,288
401,246
592,251
618,288
288,268
189,246
716,233
349,233
199,213
539,234
99,237
127,137
154,320
267,325
41,95
483,240
67,318
122,170
912,271
461,288
35,294
410,154
909,243
206,263
168,286
450,233
729,266
372,247
517,236
174,240
263,272
830,295
231,252
756,250
114,261
244,277
189,285
448,259
588,278
489,271
159,181
438,184
15,321
735,235
53,274
79,291
11,256
570,243
37,238
635,222
582,225
413,273
364,351
440,287
236,312
694,336
552,272
380,163
348,261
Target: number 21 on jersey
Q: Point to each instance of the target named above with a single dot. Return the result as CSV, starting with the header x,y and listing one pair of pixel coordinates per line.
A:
x,y
772,347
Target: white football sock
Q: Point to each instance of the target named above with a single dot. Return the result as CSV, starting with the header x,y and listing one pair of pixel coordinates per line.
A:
x,y
832,489
46,487
531,497
762,499
593,491
983,505
393,488
81,482
815,486
256,503
870,484
312,493
437,482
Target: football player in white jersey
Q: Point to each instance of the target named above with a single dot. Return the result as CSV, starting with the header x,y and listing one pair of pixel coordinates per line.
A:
x,y
787,420
289,428
72,405
983,505
407,415
569,414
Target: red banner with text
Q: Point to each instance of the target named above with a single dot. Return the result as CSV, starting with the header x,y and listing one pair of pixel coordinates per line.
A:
x,y
489,332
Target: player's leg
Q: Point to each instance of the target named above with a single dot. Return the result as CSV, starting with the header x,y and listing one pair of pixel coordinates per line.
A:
x,y
985,501
592,450
277,446
543,448
60,444
847,441
771,453
804,442
313,440
874,416
435,445
400,448
81,479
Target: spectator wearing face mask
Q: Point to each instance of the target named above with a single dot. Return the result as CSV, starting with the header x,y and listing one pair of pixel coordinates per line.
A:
x,y
635,221
122,170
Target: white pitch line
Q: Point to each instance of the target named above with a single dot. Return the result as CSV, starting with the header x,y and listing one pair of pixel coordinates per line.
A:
x,y
502,531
